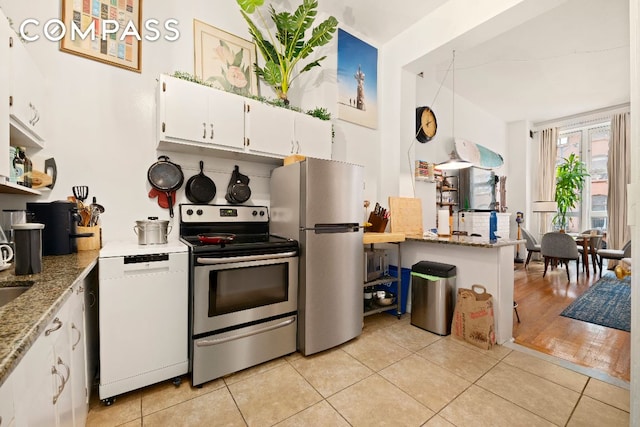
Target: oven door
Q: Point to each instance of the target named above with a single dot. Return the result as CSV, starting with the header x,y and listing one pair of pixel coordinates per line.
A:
x,y
233,291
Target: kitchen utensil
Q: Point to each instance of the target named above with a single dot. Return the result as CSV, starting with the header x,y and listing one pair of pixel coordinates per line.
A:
x,y
238,190
200,188
167,177
81,192
40,179
6,254
163,201
216,238
95,210
51,169
384,298
152,231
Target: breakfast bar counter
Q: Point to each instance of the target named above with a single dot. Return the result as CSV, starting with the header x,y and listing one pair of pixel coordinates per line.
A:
x,y
477,261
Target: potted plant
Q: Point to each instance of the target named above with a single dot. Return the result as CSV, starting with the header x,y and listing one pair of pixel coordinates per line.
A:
x,y
284,50
570,178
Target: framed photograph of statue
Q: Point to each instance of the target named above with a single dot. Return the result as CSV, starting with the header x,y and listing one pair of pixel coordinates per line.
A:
x,y
224,60
357,81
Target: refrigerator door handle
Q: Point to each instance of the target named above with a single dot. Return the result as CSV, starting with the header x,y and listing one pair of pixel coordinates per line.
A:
x,y
333,228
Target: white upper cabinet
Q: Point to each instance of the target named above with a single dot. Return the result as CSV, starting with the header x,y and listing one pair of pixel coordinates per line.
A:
x,y
4,95
312,136
268,129
191,113
194,115
27,95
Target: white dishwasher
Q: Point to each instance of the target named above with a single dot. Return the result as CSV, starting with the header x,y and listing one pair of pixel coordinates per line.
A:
x,y
143,316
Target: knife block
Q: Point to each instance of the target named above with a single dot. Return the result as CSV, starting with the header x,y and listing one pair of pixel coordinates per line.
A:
x,y
90,243
378,224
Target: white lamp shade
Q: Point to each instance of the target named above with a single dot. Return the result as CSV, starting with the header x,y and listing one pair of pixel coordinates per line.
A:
x,y
544,206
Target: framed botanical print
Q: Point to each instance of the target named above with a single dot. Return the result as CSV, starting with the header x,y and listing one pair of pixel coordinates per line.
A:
x,y
109,31
224,60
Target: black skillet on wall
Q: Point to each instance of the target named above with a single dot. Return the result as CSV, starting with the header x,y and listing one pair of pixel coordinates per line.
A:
x,y
167,177
238,190
200,188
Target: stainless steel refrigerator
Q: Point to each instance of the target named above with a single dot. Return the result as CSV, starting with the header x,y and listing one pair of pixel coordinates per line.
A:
x,y
319,203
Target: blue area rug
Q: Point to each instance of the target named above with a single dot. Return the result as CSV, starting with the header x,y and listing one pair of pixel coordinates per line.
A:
x,y
606,303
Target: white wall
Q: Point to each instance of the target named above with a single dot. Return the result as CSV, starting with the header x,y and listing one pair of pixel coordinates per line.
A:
x,y
102,118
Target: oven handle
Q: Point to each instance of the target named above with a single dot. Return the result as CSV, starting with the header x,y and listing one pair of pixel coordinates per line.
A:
x,y
226,260
208,343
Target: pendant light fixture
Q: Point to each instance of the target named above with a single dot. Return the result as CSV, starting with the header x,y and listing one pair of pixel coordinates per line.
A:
x,y
454,161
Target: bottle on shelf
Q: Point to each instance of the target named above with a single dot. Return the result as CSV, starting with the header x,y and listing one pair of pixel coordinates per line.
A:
x,y
493,227
19,166
28,168
13,178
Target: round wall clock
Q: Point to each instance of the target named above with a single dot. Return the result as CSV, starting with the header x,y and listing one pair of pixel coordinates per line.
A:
x,y
426,124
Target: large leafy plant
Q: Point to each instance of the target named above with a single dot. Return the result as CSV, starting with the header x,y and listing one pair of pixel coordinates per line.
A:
x,y
284,50
570,178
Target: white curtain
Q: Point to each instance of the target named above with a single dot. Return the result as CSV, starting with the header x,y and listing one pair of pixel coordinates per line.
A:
x,y
547,172
619,170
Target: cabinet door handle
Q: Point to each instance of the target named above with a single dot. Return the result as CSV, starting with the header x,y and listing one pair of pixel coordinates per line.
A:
x,y
297,147
292,146
63,380
73,347
58,325
204,128
37,118
211,130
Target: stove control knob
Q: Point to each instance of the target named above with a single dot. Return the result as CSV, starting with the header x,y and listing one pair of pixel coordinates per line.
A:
x,y
254,213
189,211
261,213
199,212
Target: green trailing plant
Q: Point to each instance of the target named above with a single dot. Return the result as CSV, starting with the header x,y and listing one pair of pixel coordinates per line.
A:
x,y
284,50
320,113
570,178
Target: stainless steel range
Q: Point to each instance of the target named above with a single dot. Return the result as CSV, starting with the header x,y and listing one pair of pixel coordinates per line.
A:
x,y
243,289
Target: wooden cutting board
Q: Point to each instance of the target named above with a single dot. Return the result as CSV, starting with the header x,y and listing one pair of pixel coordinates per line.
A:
x,y
406,215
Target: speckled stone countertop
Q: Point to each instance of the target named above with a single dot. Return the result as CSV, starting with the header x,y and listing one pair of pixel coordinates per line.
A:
x,y
479,242
23,319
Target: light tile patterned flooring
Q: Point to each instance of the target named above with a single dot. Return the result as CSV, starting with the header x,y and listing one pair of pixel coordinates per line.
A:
x,y
393,374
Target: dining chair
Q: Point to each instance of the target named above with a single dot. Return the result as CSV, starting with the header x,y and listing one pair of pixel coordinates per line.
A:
x,y
556,246
616,254
595,243
531,244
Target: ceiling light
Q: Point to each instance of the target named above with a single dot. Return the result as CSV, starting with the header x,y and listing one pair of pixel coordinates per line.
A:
x,y
454,161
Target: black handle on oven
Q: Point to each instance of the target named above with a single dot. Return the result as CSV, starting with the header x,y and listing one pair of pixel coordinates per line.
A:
x,y
226,260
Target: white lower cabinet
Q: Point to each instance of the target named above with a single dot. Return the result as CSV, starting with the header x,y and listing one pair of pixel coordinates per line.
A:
x,y
50,383
6,403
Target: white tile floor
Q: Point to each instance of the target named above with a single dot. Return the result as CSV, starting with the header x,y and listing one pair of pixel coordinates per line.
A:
x,y
393,374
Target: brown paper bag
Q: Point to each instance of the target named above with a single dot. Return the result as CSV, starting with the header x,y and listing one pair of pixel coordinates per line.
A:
x,y
473,319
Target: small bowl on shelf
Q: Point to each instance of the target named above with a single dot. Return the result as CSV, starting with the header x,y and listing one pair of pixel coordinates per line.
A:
x,y
384,298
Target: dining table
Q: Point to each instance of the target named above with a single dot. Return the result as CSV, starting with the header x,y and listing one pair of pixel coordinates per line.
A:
x,y
588,243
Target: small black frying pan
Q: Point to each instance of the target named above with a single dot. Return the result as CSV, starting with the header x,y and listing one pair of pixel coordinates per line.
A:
x,y
238,190
167,177
200,188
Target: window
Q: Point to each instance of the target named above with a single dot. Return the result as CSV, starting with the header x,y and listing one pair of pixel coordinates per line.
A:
x,y
591,144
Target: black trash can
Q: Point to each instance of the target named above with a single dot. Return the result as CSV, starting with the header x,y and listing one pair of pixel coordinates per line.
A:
x,y
433,287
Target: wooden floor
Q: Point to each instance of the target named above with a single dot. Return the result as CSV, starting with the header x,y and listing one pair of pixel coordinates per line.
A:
x,y
540,302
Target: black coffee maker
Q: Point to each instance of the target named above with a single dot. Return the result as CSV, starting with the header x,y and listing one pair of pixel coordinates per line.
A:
x,y
60,219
